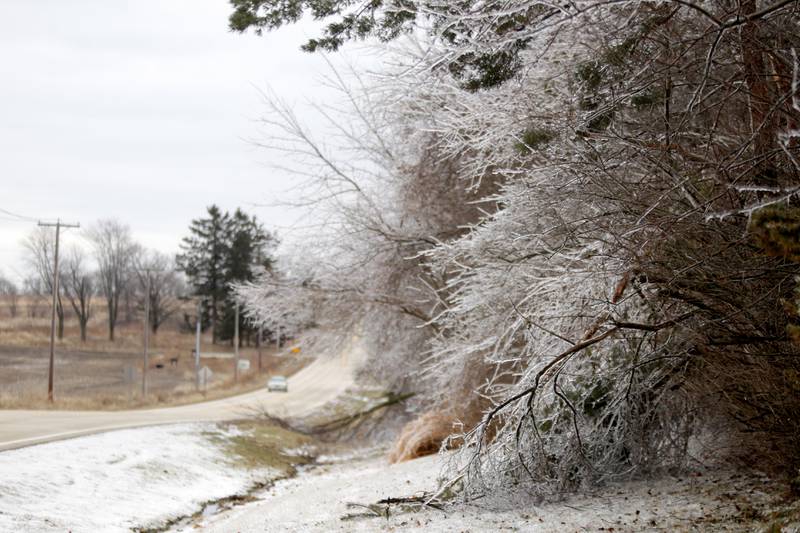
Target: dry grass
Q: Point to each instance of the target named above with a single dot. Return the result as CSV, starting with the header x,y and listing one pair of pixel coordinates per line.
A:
x,y
30,397
422,436
90,374
34,331
263,445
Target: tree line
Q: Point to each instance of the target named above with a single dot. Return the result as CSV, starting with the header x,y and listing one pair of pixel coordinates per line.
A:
x,y
110,265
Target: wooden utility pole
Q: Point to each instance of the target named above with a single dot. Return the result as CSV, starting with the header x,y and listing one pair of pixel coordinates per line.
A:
x,y
58,225
146,333
258,344
236,342
197,343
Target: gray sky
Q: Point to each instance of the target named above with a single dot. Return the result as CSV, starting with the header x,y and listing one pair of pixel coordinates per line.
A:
x,y
138,110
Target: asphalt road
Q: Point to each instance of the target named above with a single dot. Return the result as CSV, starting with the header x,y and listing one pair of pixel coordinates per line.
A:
x,y
321,381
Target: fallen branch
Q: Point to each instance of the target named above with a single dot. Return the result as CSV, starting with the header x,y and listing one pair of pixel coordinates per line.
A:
x,y
383,508
340,423
372,508
426,499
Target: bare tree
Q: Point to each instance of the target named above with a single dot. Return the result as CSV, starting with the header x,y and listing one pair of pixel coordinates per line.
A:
x,y
10,292
40,248
79,286
113,247
33,288
164,282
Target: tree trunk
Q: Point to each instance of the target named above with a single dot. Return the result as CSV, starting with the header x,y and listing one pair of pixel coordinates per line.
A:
x,y
762,123
111,320
128,307
214,320
60,315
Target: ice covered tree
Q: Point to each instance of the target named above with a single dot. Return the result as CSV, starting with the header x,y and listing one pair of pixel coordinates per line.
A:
x,y
607,294
610,307
363,271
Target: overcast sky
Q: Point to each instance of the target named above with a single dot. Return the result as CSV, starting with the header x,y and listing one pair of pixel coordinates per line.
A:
x,y
138,110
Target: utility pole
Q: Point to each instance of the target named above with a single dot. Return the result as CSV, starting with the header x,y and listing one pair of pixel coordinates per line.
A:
x,y
236,342
146,332
58,225
146,323
197,343
258,343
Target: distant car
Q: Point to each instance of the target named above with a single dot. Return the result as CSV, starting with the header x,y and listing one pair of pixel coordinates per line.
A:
x,y
278,383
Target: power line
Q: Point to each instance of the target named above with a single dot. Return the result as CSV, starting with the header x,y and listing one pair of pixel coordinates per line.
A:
x,y
19,220
18,216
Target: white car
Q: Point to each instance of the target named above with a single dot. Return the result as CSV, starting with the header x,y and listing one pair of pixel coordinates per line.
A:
x,y
278,383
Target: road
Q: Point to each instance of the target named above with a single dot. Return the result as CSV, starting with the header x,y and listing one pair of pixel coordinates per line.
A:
x,y
321,381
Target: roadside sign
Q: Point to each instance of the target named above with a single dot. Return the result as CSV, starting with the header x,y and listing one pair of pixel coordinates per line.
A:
x,y
218,355
205,375
128,377
128,374
244,364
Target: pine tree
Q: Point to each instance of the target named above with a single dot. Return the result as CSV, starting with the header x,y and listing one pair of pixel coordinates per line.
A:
x,y
203,258
249,246
223,249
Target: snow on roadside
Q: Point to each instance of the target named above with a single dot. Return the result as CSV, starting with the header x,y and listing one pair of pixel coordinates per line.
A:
x,y
318,502
119,480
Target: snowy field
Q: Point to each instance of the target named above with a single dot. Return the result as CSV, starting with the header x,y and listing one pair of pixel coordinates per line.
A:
x,y
119,480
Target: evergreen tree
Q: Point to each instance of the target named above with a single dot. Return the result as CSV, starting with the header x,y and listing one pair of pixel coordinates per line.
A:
x,y
203,258
249,247
224,249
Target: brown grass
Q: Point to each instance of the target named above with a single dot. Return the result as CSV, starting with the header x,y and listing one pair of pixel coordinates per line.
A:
x,y
34,331
35,398
422,436
89,375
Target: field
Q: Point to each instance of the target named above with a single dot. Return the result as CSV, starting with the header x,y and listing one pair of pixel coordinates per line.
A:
x,y
101,374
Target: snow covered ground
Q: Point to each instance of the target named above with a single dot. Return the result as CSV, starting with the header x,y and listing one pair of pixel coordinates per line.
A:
x,y
140,478
118,480
318,502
